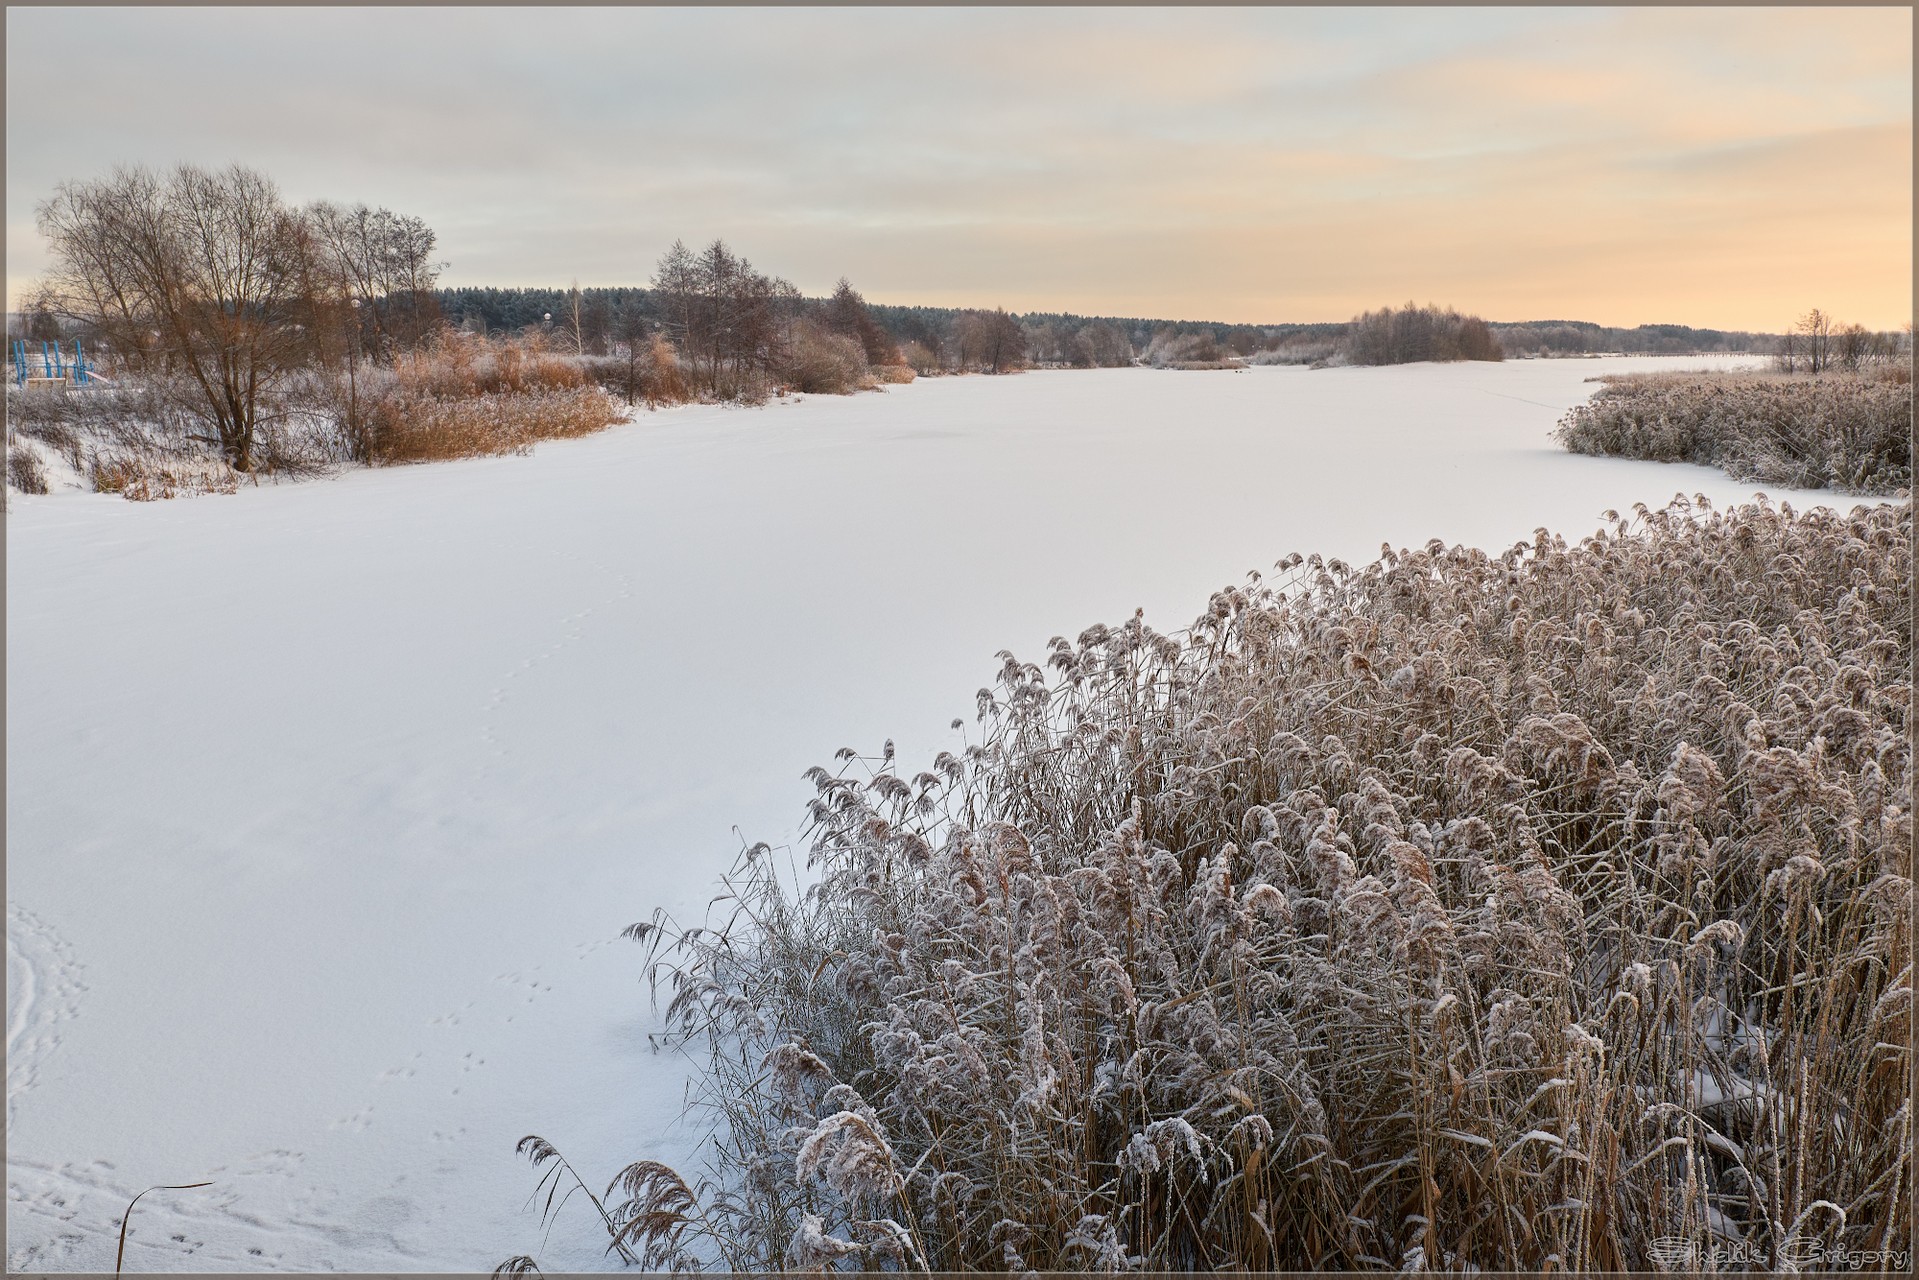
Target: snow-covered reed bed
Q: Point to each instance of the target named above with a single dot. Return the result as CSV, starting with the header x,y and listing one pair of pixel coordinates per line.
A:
x,y
1850,431
1548,908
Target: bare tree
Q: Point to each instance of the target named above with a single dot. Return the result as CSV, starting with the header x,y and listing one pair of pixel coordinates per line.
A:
x,y
731,320
196,273
596,322
1849,346
1817,326
630,332
1108,346
676,283
573,314
846,313
991,341
1413,332
384,261
1786,359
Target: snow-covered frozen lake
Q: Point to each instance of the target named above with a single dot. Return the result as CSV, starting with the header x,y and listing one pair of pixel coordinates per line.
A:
x,y
326,803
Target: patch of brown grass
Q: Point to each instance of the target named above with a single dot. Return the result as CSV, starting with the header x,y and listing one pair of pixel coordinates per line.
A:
x,y
462,365
148,476
423,427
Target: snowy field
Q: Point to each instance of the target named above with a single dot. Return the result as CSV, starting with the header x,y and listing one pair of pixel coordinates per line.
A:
x,y
326,803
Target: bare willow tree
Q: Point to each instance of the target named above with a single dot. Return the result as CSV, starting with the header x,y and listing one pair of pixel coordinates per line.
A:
x,y
196,274
730,319
209,286
1816,326
382,261
992,341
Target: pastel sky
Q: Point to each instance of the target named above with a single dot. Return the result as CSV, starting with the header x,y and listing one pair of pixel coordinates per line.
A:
x,y
1713,166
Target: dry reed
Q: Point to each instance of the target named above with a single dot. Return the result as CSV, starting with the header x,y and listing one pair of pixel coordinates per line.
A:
x,y
1841,431
464,397
430,428
1545,909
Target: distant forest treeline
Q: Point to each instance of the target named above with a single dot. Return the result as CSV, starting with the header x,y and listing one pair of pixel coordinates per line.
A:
x,y
1578,337
606,315
1049,337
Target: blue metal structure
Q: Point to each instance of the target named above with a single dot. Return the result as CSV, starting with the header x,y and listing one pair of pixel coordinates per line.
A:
x,y
53,363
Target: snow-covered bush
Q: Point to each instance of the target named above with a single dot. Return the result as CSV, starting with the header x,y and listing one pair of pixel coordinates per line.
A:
x,y
1541,909
1841,431
1195,350
1318,353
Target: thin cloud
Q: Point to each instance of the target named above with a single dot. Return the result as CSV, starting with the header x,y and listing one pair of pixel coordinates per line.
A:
x,y
1233,164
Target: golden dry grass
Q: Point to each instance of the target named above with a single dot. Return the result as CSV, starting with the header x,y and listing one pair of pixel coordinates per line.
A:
x,y
145,476
464,397
429,428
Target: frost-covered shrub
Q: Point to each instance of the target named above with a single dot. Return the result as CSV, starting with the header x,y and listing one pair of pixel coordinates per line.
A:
x,y
1838,431
1196,350
1318,353
1540,909
820,362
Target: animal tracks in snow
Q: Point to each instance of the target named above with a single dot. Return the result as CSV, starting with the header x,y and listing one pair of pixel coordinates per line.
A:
x,y
79,1209
44,990
572,628
451,1019
519,982
358,1122
405,1071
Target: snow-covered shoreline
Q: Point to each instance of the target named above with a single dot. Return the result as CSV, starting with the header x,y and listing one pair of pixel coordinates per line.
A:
x,y
327,801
